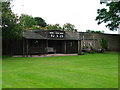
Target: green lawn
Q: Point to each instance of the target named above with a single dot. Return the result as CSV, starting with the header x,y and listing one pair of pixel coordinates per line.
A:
x,y
84,71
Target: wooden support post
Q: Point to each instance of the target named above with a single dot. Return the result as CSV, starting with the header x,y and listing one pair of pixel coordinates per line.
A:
x,y
79,47
27,48
11,47
65,47
46,46
23,48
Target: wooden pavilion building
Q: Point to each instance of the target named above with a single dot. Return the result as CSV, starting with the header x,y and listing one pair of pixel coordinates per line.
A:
x,y
37,42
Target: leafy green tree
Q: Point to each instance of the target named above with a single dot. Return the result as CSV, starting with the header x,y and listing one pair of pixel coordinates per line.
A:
x,y
69,27
104,43
41,22
0,15
110,16
57,27
27,21
53,27
11,28
35,27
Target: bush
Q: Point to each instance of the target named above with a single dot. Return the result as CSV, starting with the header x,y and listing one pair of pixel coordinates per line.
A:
x,y
104,43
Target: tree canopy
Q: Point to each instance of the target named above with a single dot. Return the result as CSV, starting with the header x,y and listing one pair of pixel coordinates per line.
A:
x,y
11,28
69,27
39,21
110,16
27,21
54,27
66,27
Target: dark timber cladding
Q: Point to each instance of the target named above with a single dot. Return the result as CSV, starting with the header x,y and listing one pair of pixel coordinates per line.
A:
x,y
50,41
56,41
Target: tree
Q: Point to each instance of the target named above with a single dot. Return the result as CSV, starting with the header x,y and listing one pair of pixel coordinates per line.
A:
x,y
53,27
27,21
104,43
11,28
66,27
109,16
57,27
0,15
40,21
69,27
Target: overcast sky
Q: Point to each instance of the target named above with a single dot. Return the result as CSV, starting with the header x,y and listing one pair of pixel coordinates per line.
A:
x,y
81,13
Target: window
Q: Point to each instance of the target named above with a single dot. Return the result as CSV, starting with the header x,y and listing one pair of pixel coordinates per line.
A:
x,y
51,32
51,35
56,35
61,36
61,33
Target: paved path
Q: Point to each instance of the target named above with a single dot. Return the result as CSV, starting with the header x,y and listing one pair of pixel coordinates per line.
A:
x,y
47,55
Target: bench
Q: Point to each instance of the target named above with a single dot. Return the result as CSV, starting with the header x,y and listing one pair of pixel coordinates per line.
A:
x,y
50,50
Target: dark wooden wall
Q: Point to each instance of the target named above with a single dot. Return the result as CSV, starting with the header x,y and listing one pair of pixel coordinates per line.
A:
x,y
58,45
37,46
72,46
12,47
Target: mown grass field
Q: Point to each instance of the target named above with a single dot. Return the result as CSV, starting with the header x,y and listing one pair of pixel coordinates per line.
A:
x,y
84,71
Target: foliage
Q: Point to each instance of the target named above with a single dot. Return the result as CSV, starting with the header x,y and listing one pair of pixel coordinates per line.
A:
x,y
86,71
92,31
53,27
66,27
35,27
40,21
69,27
0,14
104,43
110,16
11,28
27,21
